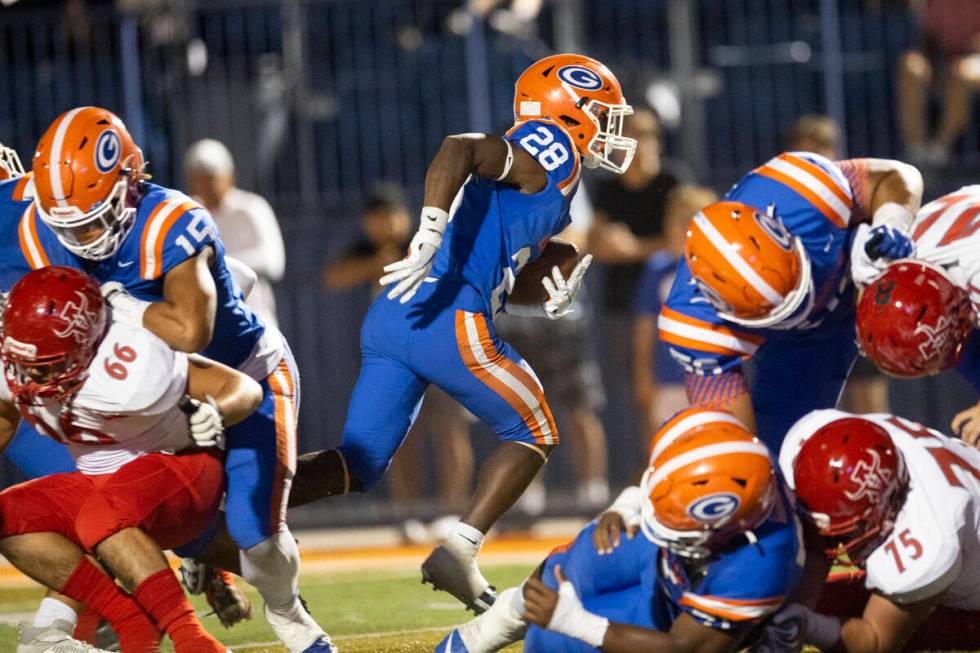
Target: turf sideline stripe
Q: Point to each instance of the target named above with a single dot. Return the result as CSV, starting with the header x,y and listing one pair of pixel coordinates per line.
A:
x,y
341,638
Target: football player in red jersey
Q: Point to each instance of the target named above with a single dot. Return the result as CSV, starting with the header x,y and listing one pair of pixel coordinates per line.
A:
x,y
144,425
901,502
916,316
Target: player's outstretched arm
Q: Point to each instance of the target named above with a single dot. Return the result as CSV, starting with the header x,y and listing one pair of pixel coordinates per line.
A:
x,y
885,626
185,317
9,419
234,394
564,613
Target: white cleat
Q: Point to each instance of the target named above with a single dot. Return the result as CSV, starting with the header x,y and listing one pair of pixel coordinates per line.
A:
x,y
495,629
452,571
192,576
299,632
55,638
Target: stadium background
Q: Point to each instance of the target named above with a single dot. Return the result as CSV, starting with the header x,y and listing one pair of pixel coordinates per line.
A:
x,y
318,99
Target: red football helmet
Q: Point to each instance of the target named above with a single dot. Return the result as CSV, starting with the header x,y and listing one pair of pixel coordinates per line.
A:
x,y
53,322
585,98
10,165
87,174
913,320
851,481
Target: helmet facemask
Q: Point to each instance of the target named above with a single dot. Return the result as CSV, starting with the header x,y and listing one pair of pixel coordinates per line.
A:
x,y
42,381
608,141
98,234
10,163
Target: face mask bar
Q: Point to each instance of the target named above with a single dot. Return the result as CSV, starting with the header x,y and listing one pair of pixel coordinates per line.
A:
x,y
113,217
10,161
609,140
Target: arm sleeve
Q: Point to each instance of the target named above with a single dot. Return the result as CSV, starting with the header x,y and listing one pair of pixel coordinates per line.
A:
x,y
699,340
265,252
551,146
856,173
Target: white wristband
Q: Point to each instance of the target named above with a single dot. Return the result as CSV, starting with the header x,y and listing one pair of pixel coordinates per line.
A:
x,y
893,214
628,503
572,619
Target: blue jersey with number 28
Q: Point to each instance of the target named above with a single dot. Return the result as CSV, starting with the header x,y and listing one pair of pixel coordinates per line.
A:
x,y
497,229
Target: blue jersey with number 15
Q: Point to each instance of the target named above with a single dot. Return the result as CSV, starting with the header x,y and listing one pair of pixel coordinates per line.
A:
x,y
497,229
169,229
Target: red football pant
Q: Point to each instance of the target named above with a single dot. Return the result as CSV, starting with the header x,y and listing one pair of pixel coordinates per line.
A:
x,y
172,498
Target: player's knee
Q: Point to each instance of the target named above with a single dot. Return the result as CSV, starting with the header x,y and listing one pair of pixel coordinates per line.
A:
x,y
363,468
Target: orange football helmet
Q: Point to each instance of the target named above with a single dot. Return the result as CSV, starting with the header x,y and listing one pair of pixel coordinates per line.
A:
x,y
585,98
682,422
710,483
87,172
10,165
751,269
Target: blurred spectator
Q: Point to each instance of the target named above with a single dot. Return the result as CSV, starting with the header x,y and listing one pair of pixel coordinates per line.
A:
x,y
867,388
629,213
628,229
442,425
562,356
815,133
658,382
518,18
247,224
947,61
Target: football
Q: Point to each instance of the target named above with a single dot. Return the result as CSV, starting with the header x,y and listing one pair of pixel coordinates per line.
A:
x,y
527,286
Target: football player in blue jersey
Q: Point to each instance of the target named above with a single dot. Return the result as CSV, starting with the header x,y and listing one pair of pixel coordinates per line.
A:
x,y
721,550
765,276
435,323
162,265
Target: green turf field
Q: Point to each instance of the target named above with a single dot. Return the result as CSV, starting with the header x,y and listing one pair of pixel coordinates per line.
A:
x,y
366,612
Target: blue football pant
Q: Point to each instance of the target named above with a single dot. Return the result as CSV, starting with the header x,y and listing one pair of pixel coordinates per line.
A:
x,y
453,345
619,586
794,375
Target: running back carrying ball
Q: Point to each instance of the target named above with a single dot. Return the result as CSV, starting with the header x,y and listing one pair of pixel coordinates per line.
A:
x,y
528,288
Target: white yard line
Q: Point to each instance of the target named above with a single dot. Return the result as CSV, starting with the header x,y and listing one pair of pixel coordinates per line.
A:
x,y
347,638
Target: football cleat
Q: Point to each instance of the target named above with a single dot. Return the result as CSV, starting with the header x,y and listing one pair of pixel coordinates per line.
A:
x,y
227,601
495,629
55,638
450,571
299,632
453,643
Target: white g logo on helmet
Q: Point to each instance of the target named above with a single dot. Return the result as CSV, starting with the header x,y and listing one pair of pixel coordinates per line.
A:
x,y
580,77
714,507
107,151
775,228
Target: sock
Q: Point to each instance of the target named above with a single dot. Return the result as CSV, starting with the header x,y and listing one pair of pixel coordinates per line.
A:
x,y
52,609
87,626
465,539
272,567
163,599
89,585
517,602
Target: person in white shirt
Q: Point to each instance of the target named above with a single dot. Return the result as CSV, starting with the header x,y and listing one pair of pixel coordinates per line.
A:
x,y
247,223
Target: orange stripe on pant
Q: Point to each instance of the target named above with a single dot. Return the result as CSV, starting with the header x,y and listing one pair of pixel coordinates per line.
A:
x,y
496,359
285,404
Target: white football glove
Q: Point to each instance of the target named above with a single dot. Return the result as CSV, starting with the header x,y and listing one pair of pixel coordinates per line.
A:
x,y
561,293
864,270
572,619
795,625
125,308
207,426
409,273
